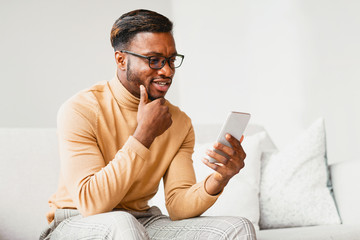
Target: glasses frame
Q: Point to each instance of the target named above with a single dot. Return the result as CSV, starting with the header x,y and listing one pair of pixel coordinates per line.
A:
x,y
167,59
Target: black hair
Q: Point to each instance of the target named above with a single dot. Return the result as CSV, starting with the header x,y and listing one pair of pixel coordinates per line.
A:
x,y
131,23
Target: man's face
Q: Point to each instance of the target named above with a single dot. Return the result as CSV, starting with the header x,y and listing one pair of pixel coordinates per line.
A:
x,y
138,72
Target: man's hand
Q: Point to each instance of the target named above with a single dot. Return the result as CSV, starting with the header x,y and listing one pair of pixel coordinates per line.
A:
x,y
226,167
153,118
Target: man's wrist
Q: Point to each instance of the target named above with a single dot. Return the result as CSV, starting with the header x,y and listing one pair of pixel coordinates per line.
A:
x,y
214,185
143,138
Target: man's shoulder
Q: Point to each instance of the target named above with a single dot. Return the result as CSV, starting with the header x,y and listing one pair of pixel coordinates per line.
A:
x,y
85,101
88,95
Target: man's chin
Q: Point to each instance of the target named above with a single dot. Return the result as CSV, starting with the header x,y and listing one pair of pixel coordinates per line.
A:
x,y
153,95
152,98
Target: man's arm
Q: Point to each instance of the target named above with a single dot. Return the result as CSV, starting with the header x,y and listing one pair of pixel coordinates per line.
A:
x,y
94,186
184,197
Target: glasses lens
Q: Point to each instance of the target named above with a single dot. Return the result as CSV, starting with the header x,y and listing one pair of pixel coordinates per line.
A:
x,y
157,62
176,61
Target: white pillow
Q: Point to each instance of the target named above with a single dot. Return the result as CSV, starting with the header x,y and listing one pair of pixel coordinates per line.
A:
x,y
293,187
241,196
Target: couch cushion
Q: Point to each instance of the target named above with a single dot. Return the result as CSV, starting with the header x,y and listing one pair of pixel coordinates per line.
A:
x,y
293,189
29,166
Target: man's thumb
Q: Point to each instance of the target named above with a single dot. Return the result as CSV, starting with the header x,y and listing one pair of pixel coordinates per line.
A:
x,y
143,95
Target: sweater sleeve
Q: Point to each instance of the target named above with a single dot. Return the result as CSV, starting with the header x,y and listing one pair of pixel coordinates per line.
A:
x,y
184,197
94,186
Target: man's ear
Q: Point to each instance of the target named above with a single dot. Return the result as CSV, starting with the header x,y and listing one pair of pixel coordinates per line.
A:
x,y
120,60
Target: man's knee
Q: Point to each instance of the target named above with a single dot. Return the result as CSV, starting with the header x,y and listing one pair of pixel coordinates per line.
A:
x,y
119,218
123,225
239,228
111,225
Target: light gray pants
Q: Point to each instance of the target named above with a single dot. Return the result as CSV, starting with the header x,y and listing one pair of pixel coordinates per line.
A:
x,y
69,224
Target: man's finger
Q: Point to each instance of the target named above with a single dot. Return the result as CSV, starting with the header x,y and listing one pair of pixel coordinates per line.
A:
x,y
162,101
143,95
233,141
218,157
229,151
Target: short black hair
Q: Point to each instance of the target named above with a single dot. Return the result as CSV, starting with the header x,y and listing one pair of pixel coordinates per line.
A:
x,y
131,23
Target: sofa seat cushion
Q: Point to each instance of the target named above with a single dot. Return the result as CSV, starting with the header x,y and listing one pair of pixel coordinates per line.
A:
x,y
324,232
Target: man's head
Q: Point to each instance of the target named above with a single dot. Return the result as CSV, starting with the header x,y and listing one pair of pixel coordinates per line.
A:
x,y
134,22
136,36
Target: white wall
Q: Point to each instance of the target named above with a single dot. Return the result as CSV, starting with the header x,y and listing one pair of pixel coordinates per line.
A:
x,y
331,72
286,62
50,50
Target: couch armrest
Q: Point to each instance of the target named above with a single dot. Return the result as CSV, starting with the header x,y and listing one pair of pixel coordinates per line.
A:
x,y
346,179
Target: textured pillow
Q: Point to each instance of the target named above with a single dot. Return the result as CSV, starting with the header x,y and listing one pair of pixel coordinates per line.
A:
x,y
241,196
293,186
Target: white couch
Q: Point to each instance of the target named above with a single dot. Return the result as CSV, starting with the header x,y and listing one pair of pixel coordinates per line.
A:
x,y
29,165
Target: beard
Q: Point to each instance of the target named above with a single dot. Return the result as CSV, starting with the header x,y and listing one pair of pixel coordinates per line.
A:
x,y
134,78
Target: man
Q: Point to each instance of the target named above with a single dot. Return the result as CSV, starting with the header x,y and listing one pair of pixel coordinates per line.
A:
x,y
119,138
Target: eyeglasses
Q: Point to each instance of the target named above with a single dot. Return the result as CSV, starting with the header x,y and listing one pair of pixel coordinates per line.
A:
x,y
158,62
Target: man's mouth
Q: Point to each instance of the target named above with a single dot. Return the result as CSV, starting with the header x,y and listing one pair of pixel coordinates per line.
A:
x,y
162,85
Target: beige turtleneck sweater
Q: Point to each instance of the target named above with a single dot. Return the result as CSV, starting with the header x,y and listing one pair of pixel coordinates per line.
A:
x,y
104,167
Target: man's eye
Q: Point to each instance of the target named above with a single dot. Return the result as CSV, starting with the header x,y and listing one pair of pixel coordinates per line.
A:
x,y
155,60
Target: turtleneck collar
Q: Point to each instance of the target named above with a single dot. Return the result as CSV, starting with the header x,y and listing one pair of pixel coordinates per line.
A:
x,y
122,95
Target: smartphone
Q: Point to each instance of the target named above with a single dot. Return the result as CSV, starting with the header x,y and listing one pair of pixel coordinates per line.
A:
x,y
235,125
